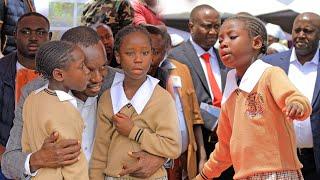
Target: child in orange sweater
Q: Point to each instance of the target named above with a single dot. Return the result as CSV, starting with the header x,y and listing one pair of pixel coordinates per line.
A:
x,y
255,128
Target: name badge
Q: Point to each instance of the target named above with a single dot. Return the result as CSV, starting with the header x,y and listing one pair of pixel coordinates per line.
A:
x,y
176,80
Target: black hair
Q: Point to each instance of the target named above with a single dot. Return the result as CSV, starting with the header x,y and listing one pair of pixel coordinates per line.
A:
x,y
255,27
33,14
167,39
156,31
197,9
81,35
99,24
126,31
52,55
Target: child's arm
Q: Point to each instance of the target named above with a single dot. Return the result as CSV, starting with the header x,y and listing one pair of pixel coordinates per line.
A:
x,y
220,158
287,96
101,143
201,152
165,140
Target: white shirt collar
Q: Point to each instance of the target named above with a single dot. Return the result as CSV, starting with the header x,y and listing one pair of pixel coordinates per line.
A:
x,y
140,98
248,81
314,60
62,96
199,49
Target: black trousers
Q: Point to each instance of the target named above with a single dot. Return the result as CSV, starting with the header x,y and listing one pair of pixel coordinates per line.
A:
x,y
306,157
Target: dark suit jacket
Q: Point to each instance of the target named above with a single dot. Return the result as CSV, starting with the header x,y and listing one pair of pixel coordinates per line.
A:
x,y
282,60
7,95
186,54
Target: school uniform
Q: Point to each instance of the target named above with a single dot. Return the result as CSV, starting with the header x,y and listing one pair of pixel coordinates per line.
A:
x,y
44,112
155,129
254,135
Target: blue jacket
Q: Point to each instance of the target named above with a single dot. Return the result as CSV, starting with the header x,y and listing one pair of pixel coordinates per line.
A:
x,y
7,95
282,60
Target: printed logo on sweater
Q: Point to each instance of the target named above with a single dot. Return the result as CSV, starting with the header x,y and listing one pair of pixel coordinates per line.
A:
x,y
255,105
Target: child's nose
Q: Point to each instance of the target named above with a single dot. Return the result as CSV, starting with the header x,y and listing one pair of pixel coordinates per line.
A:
x,y
223,44
138,58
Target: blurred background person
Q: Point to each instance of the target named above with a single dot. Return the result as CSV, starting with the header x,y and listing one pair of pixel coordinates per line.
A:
x,y
276,48
106,36
275,34
116,14
147,12
10,11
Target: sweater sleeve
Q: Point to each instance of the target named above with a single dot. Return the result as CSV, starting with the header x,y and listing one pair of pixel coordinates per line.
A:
x,y
284,92
220,158
25,116
101,144
165,140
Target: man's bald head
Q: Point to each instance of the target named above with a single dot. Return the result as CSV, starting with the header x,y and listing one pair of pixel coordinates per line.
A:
x,y
306,35
309,16
204,8
204,26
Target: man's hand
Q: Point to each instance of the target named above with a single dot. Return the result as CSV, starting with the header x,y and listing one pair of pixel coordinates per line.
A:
x,y
122,123
53,154
146,165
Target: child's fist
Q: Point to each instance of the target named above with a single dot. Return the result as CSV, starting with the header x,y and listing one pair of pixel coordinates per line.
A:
x,y
122,123
294,110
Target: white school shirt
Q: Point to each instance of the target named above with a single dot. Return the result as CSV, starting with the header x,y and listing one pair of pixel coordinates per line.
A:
x,y
213,62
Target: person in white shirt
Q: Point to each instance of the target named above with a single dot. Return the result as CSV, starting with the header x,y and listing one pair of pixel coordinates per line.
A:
x,y
302,66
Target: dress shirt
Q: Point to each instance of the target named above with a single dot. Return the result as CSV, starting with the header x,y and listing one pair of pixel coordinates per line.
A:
x,y
213,62
177,83
88,111
304,78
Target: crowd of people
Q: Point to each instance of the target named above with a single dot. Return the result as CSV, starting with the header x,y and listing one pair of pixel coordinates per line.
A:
x,y
115,98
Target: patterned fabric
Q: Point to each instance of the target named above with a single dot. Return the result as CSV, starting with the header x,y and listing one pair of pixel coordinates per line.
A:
x,y
283,175
120,178
115,13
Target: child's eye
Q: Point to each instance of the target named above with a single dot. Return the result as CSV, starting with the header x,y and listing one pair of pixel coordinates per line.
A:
x,y
233,37
145,53
130,53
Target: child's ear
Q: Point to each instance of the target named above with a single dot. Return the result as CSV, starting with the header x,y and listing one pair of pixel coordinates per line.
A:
x,y
116,54
58,74
257,42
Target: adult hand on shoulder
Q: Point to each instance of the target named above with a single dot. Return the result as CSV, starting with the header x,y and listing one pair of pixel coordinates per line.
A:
x,y
122,123
55,154
146,165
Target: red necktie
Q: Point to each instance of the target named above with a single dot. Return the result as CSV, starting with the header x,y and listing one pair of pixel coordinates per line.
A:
x,y
213,83
23,76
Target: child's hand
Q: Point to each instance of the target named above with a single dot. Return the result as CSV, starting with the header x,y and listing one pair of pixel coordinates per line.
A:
x,y
294,110
122,123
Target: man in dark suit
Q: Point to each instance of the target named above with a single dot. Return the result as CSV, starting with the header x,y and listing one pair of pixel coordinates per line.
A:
x,y
208,73
303,68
